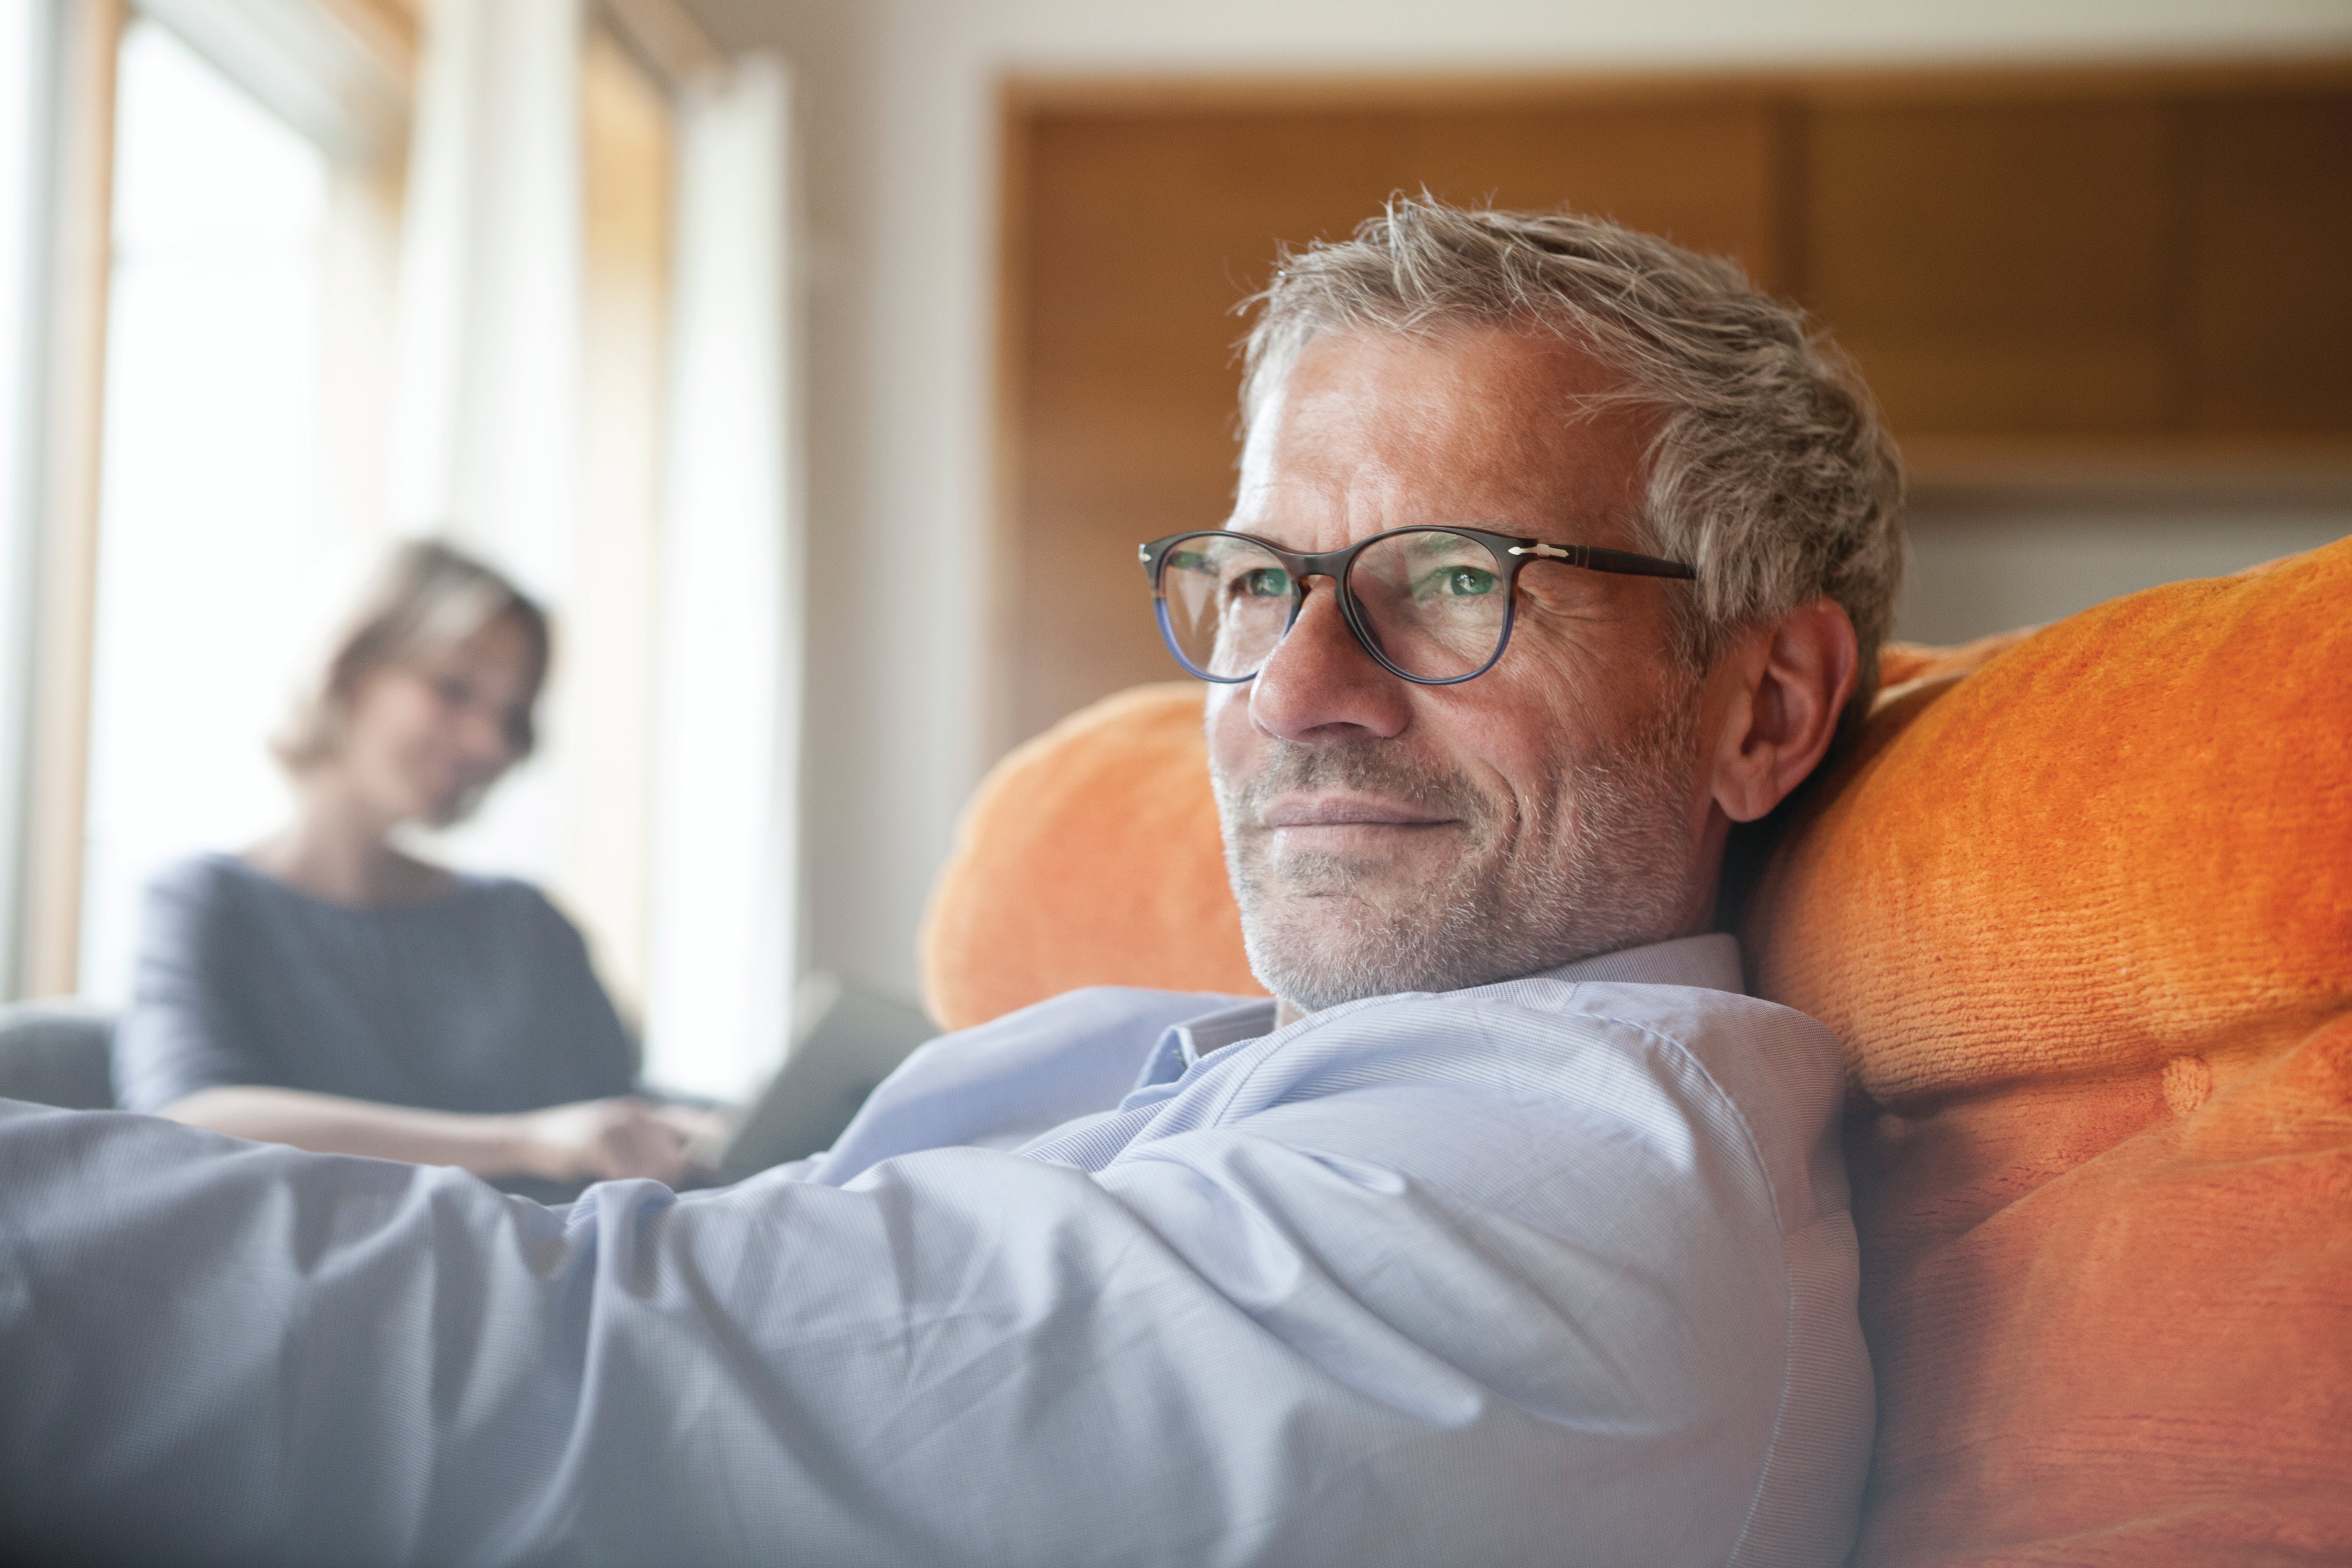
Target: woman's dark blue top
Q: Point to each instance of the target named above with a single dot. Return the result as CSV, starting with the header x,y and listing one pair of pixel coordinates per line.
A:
x,y
479,1000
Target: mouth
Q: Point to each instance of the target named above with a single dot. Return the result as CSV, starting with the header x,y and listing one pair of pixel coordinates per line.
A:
x,y
445,784
1331,820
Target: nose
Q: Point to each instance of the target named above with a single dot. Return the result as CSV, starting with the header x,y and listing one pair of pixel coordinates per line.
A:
x,y
1319,680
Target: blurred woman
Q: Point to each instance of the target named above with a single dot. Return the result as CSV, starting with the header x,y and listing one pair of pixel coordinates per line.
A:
x,y
326,990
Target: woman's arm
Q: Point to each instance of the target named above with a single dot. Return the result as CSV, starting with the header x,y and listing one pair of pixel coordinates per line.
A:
x,y
592,1140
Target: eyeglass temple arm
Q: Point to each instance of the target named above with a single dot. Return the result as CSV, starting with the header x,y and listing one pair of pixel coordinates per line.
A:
x,y
1593,558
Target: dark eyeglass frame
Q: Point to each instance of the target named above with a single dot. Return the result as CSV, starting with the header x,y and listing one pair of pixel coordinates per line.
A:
x,y
1511,551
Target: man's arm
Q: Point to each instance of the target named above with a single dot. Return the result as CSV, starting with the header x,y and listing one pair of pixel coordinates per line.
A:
x,y
1255,1342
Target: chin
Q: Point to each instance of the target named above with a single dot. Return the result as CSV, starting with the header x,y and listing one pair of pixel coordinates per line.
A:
x,y
1317,950
1379,879
447,811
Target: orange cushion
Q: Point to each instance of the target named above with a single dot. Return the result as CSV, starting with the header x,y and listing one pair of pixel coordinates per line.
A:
x,y
1089,856
2084,922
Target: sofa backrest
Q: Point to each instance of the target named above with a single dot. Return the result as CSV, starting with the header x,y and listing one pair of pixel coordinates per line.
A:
x,y
2083,921
2079,905
1089,856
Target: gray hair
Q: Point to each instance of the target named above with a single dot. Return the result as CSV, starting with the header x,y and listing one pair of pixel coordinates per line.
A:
x,y
425,599
1769,471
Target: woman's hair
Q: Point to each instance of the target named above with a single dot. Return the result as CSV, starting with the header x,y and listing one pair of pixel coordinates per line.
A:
x,y
1769,470
426,600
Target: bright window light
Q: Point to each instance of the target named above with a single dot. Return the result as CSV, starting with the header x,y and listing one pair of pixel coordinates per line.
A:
x,y
22,43
212,538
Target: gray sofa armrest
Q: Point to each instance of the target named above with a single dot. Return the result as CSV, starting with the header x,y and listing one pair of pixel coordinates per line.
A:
x,y
56,1053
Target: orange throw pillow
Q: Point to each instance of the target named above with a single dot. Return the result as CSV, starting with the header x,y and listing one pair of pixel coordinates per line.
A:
x,y
1089,856
2084,922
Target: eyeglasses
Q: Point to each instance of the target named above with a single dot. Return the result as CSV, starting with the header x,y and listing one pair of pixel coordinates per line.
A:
x,y
1432,605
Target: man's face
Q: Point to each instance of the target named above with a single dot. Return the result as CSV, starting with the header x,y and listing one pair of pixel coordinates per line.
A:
x,y
1387,837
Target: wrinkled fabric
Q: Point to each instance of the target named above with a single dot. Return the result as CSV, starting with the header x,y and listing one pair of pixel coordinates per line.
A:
x,y
1553,1270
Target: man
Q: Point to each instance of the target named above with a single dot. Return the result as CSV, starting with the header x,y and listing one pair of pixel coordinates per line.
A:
x,y
1510,1233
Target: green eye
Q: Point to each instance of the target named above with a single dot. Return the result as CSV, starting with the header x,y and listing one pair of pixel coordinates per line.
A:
x,y
1458,583
1265,583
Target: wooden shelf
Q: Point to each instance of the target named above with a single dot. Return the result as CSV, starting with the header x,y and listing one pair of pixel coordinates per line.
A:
x,y
2270,471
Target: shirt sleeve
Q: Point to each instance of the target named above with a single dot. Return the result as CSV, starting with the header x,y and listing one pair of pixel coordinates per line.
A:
x,y
1249,1345
180,1032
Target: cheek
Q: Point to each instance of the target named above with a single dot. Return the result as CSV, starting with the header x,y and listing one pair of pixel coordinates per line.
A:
x,y
1592,674
1517,748
391,718
1507,729
1233,740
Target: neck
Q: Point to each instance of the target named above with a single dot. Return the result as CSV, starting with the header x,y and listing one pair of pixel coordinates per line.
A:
x,y
1698,920
338,849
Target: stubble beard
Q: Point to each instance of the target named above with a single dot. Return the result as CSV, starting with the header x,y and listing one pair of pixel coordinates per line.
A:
x,y
1607,866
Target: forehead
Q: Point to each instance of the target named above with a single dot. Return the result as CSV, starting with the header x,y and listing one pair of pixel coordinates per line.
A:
x,y
501,646
1378,429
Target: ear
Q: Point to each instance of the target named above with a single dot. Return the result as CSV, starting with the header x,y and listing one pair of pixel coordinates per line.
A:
x,y
1782,688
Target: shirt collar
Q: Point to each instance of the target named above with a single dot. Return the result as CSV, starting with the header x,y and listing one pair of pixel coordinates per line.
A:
x,y
1225,1026
1188,1042
1710,962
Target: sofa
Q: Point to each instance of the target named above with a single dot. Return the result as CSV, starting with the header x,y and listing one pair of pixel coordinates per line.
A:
x,y
56,1053
2078,905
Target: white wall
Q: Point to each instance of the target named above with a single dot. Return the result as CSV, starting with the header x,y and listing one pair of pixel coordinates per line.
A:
x,y
897,117
1978,569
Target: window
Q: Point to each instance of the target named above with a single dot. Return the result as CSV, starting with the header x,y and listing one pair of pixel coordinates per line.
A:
x,y
212,517
281,347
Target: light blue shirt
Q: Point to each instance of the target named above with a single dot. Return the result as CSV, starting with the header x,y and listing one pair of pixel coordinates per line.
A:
x,y
1557,1270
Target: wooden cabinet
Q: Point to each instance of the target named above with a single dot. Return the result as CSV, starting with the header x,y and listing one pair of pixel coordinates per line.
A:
x,y
2100,268
2267,328
2001,269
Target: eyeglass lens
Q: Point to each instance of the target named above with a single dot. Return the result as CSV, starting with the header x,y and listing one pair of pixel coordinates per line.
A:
x,y
1431,603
